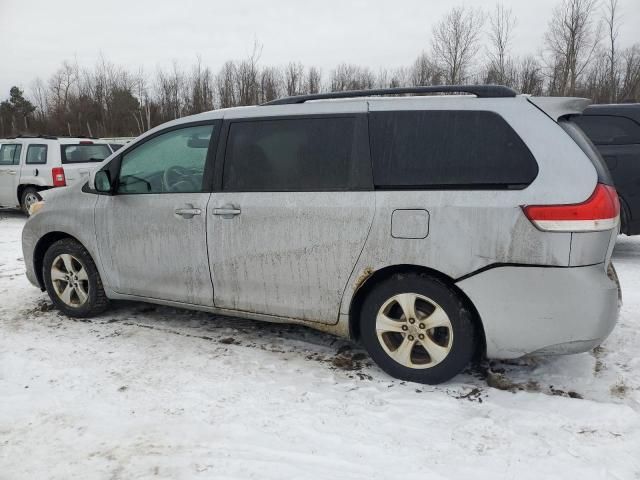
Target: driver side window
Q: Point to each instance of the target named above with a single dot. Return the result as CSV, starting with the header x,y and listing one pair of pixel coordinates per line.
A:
x,y
172,162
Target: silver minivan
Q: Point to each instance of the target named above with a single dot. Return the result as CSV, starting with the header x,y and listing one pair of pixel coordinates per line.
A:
x,y
431,228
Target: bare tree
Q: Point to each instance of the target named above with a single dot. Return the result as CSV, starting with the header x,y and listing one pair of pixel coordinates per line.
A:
x,y
631,65
351,77
612,23
39,94
199,90
171,89
225,84
571,41
455,42
314,80
271,84
294,78
501,25
424,71
529,76
247,77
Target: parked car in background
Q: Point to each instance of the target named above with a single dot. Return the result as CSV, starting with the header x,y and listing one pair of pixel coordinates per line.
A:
x,y
117,143
29,165
430,228
615,130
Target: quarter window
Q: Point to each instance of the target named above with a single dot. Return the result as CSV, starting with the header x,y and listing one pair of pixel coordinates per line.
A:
x,y
448,149
36,154
295,154
172,162
10,154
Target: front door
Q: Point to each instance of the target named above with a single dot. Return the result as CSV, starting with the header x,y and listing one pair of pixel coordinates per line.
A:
x,y
151,232
293,215
9,174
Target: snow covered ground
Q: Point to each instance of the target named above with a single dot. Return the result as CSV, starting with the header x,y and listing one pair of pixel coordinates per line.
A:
x,y
152,392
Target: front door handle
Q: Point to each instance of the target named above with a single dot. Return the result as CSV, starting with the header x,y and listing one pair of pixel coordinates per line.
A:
x,y
227,211
188,211
11,172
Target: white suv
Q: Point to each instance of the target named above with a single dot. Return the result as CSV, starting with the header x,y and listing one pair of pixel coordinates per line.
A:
x,y
29,165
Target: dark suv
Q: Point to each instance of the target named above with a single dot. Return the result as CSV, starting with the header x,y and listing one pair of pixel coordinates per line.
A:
x,y
615,130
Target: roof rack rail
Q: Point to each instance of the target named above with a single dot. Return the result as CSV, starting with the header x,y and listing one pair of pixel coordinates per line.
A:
x,y
53,137
47,137
480,91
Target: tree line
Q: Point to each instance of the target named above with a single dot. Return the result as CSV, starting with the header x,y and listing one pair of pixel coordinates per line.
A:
x,y
581,56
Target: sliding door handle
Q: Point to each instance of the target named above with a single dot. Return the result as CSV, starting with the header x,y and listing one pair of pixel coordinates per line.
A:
x,y
227,211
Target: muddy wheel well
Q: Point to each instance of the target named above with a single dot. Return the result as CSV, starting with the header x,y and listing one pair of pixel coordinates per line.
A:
x,y
41,247
21,189
384,273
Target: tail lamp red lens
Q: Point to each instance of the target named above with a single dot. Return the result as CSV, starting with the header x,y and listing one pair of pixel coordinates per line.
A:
x,y
59,179
599,212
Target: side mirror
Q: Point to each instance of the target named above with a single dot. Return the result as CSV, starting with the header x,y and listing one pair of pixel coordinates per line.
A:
x,y
102,182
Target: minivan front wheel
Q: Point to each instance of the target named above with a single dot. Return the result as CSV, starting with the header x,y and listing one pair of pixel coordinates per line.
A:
x,y
72,279
416,328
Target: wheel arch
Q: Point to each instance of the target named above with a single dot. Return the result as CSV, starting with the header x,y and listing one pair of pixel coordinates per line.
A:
x,y
388,271
41,248
23,186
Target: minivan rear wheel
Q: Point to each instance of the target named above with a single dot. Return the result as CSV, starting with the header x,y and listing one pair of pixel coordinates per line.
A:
x,y
72,280
417,328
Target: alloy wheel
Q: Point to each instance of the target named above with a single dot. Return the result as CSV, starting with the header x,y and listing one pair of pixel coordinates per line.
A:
x,y
70,280
414,330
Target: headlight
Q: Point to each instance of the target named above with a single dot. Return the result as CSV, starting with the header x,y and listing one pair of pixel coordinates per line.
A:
x,y
36,207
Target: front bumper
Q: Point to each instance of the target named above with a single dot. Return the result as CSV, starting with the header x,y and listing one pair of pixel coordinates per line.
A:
x,y
543,310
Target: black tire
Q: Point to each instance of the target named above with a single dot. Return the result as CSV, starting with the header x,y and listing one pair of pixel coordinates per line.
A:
x,y
96,301
25,199
624,222
462,345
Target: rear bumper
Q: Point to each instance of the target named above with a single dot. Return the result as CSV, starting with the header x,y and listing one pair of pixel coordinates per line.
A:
x,y
543,310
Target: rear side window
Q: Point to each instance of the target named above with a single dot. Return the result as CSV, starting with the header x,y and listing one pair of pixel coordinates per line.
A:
x,y
36,154
10,154
295,154
588,148
448,149
84,153
609,129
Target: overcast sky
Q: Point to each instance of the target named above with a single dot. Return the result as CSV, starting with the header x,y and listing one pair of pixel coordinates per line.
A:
x,y
37,35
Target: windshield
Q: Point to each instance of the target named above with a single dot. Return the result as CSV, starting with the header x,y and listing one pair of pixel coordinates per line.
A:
x,y
83,153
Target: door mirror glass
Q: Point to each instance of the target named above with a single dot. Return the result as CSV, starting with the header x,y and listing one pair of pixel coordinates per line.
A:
x,y
103,181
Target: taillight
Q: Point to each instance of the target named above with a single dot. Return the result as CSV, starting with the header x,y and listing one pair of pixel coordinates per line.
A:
x,y
600,212
58,177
